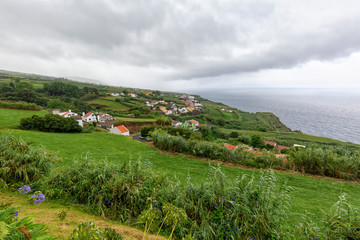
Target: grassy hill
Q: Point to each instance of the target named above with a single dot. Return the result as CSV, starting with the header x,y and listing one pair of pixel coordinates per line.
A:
x,y
10,118
311,194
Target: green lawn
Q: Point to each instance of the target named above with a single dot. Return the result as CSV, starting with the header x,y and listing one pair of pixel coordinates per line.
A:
x,y
109,104
313,195
123,119
10,118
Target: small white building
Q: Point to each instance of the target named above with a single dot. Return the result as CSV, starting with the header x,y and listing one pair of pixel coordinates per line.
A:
x,y
89,117
168,112
68,114
120,130
103,117
183,110
55,111
78,119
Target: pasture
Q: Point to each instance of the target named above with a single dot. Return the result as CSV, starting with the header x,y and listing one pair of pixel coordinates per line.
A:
x,y
313,194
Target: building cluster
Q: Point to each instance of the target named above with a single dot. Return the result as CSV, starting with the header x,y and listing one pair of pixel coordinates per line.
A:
x,y
193,107
89,117
123,95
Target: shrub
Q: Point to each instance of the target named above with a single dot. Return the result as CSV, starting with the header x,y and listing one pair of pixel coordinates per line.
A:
x,y
89,231
13,228
50,123
21,162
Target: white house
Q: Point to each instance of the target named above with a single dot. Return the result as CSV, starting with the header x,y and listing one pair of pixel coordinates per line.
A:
x,y
68,114
176,124
115,94
103,117
193,122
183,110
89,117
168,112
55,111
78,119
120,130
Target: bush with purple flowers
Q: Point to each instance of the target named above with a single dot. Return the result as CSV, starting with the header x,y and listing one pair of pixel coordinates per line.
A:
x,y
24,189
38,197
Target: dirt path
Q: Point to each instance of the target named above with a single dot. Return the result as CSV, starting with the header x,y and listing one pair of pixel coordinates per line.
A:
x,y
48,212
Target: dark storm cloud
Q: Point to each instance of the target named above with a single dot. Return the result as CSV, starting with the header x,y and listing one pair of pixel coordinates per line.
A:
x,y
187,39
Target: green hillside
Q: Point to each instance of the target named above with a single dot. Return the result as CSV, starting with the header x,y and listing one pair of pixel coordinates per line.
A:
x,y
10,118
312,194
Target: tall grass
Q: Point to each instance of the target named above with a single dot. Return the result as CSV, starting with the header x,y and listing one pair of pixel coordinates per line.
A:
x,y
216,209
21,162
316,161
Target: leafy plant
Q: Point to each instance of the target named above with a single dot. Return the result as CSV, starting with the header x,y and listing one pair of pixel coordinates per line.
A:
x,y
21,162
89,231
62,215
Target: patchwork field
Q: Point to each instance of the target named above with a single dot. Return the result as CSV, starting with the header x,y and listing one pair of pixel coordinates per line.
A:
x,y
311,194
10,118
108,104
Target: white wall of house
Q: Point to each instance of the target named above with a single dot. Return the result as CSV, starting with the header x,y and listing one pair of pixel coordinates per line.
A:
x,y
114,130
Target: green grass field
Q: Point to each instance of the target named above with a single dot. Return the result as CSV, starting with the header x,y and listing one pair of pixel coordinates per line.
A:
x,y
10,118
109,104
141,120
313,195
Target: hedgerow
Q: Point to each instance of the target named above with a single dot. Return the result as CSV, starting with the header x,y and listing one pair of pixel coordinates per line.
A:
x,y
19,105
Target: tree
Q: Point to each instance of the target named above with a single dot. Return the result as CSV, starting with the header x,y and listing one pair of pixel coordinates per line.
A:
x,y
234,135
156,93
256,141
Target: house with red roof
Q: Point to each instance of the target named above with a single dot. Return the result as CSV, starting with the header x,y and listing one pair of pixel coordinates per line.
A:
x,y
89,117
120,130
280,147
103,117
269,143
193,122
229,146
68,114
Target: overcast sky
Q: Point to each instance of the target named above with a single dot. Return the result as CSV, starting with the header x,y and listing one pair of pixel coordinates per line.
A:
x,y
185,45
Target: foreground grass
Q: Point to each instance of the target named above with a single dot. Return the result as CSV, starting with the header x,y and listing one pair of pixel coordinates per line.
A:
x,y
10,118
310,194
48,211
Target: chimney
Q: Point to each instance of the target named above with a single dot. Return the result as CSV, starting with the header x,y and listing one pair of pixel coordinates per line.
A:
x,y
83,114
69,111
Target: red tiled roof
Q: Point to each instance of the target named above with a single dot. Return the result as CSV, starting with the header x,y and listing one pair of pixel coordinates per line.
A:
x,y
122,129
193,121
88,114
270,143
280,147
229,146
65,114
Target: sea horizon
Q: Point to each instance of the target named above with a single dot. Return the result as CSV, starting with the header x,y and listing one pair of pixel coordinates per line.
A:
x,y
325,112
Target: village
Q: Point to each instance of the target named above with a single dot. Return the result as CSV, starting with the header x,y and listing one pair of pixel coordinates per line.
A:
x,y
108,122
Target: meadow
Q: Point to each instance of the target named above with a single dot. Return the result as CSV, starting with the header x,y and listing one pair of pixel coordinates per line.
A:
x,y
311,194
10,118
108,104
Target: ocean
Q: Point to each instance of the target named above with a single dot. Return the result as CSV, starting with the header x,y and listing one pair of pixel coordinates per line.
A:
x,y
321,112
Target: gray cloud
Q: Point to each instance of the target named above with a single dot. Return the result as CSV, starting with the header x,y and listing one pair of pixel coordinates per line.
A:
x,y
179,39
